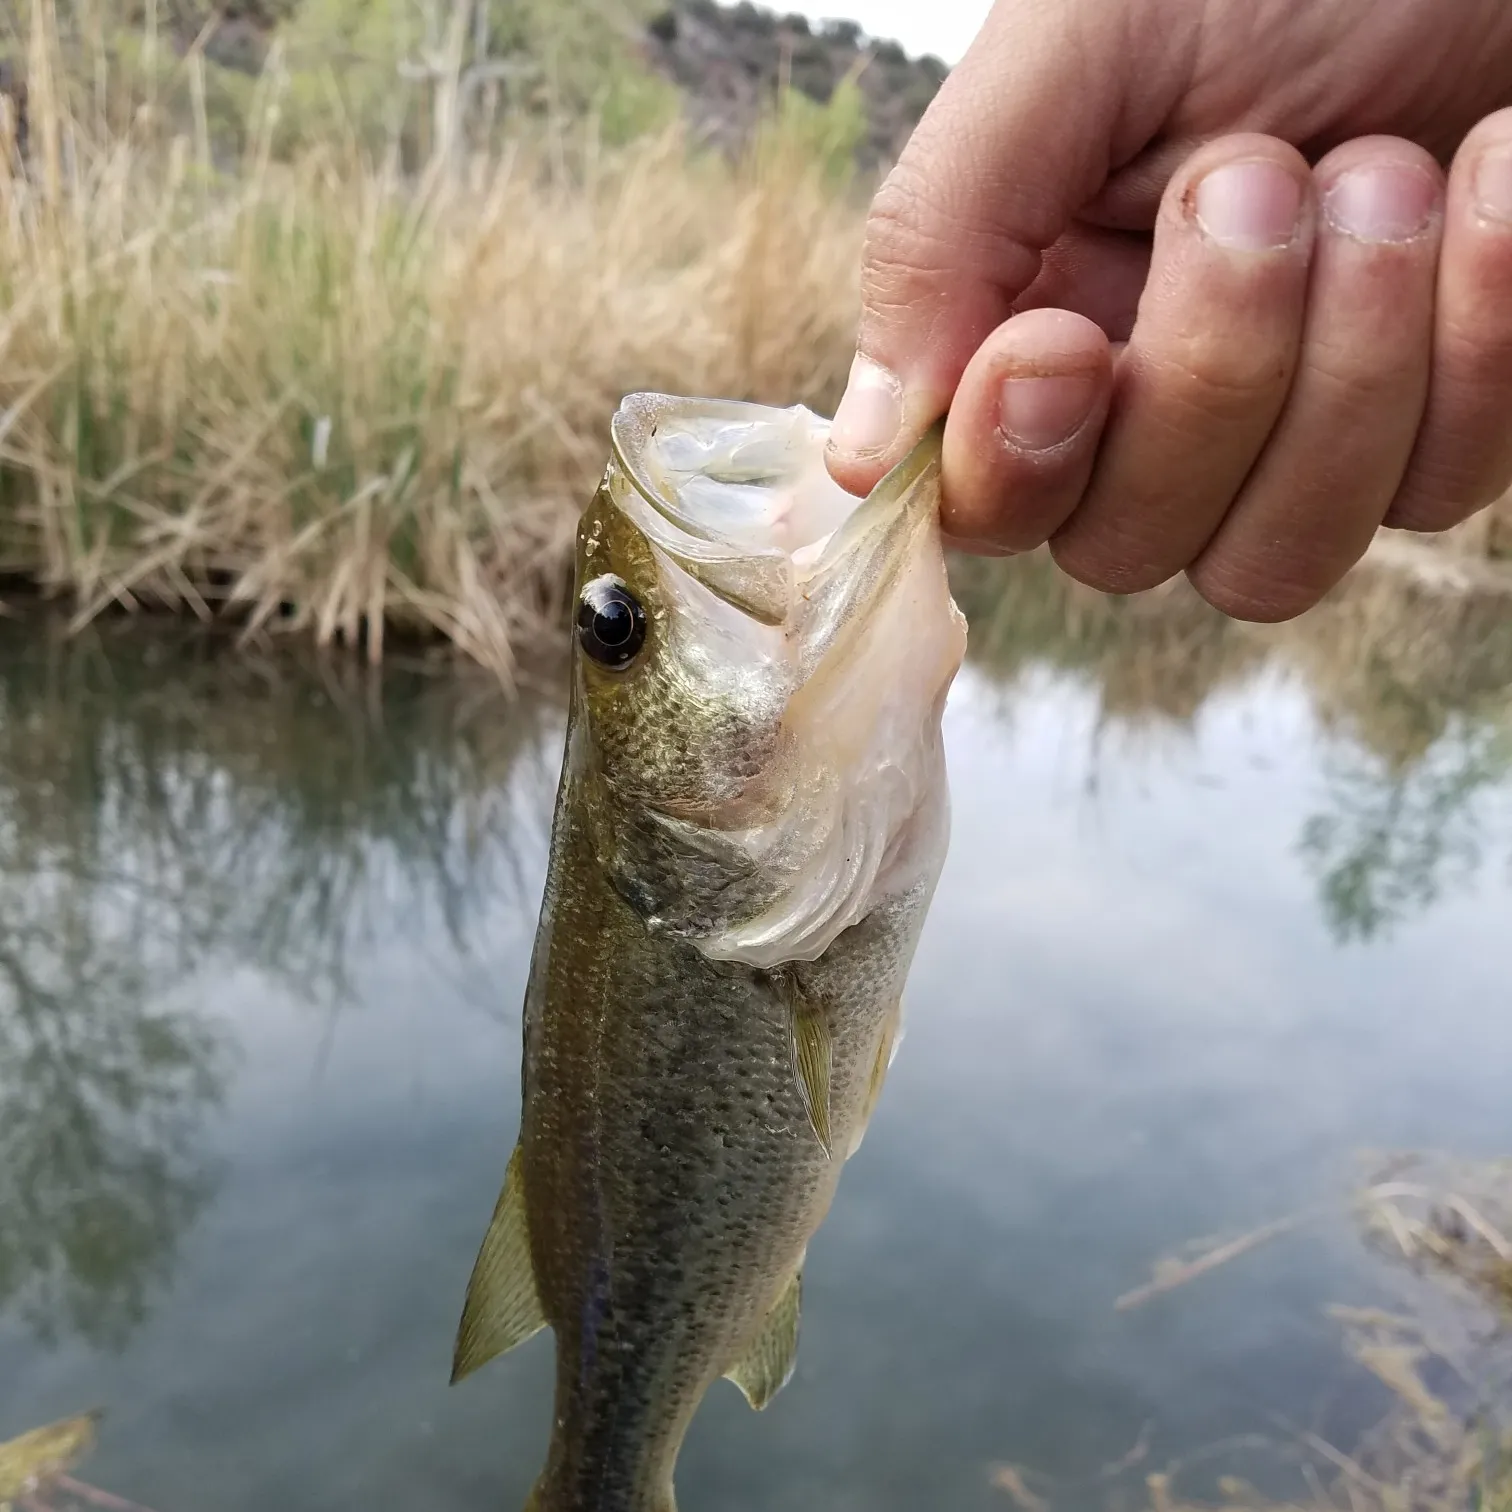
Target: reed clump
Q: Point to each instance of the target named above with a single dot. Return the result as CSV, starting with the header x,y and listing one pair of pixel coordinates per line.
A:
x,y
328,390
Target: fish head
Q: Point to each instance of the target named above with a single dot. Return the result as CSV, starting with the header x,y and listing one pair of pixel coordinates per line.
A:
x,y
761,664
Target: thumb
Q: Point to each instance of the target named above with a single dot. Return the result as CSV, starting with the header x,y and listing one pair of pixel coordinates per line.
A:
x,y
1022,133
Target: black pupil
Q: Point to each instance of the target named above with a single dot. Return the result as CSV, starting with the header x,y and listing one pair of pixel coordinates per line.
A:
x,y
613,623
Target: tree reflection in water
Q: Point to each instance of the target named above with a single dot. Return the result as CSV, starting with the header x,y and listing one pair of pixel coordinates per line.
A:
x,y
1410,681
1394,841
169,811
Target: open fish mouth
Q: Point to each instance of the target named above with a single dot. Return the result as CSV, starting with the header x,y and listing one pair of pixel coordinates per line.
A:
x,y
743,473
737,496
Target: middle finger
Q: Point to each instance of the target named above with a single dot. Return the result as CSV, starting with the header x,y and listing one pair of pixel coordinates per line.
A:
x,y
1207,367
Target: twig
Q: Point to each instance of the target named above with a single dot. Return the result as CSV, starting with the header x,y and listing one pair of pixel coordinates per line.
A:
x,y
1488,1231
97,1497
1010,1479
1133,1456
1173,1273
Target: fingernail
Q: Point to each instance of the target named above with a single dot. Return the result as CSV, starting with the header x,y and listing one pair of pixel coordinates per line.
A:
x,y
1041,412
1251,207
1382,202
1493,183
870,412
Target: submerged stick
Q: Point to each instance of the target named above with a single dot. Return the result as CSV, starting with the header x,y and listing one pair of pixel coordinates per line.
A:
x,y
1170,1274
97,1497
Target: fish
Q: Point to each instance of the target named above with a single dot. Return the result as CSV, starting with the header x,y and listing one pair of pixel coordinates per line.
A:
x,y
751,819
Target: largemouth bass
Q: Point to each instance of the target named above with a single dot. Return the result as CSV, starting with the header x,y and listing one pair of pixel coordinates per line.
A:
x,y
750,822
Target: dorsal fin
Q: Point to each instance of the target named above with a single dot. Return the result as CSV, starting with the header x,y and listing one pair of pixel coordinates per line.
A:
x,y
503,1308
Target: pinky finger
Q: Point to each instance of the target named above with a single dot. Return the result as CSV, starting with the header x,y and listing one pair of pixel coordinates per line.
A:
x,y
1463,457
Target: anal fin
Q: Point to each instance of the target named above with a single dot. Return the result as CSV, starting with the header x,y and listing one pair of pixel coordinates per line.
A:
x,y
503,1308
767,1364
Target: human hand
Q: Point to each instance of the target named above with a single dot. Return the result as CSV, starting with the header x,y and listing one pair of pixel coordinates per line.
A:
x,y
1197,290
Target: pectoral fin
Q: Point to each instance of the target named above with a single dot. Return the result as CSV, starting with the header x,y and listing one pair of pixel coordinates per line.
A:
x,y
813,1060
887,1051
502,1307
764,1369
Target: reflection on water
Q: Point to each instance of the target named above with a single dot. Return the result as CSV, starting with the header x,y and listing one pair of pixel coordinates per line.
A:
x,y
264,928
100,1100
1394,837
1414,682
165,812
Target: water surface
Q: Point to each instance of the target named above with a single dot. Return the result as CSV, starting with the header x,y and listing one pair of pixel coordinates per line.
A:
x,y
1223,908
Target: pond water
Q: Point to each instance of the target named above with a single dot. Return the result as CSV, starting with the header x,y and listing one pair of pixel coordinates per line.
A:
x,y
1223,908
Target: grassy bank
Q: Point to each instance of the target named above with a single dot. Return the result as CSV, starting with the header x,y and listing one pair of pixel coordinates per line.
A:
x,y
276,351
321,391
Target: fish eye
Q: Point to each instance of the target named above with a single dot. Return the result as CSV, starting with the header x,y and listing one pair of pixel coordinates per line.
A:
x,y
611,625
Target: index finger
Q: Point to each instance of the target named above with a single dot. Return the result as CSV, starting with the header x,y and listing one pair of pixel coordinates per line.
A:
x,y
1021,134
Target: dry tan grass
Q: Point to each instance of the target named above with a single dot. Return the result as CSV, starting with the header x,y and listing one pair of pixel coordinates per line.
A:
x,y
322,396
1444,1440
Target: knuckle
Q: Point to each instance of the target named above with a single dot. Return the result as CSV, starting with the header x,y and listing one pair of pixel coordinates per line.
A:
x,y
1108,563
893,223
1218,380
1478,344
1350,375
907,250
1440,493
1259,594
927,231
912,225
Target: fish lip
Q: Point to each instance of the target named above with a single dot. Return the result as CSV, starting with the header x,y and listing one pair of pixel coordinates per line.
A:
x,y
635,421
